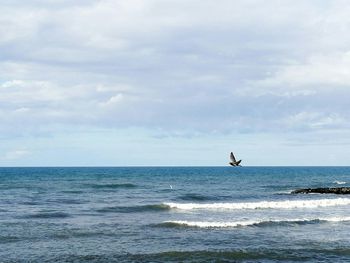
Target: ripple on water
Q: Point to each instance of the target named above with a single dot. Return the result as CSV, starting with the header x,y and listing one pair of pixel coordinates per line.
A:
x,y
113,186
134,209
47,215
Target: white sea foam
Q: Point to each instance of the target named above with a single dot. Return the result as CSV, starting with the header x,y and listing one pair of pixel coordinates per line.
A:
x,y
208,224
285,192
339,182
204,224
288,204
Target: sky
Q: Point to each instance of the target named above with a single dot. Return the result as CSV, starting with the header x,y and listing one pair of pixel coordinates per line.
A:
x,y
174,82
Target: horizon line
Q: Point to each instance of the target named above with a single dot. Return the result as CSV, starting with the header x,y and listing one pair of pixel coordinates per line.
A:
x,y
167,166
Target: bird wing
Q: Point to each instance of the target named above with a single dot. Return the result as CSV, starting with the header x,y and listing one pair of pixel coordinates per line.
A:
x,y
232,157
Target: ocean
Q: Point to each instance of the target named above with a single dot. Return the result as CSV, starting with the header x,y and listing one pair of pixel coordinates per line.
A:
x,y
173,214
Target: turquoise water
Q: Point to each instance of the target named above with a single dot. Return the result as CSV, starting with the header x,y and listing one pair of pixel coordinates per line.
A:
x,y
167,214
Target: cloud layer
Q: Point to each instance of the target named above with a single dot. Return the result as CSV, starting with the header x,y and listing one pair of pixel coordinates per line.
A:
x,y
208,67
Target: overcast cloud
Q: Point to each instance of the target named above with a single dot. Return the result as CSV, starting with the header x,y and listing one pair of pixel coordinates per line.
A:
x,y
175,67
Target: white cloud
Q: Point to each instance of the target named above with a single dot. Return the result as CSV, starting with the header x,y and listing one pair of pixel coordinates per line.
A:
x,y
116,99
15,154
321,71
192,66
315,120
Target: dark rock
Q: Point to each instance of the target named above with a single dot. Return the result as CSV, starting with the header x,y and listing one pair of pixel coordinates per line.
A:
x,y
332,190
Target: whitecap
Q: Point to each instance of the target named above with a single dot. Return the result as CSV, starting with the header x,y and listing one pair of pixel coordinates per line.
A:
x,y
234,224
339,182
287,204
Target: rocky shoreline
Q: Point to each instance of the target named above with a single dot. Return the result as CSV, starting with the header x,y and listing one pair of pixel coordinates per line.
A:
x,y
330,190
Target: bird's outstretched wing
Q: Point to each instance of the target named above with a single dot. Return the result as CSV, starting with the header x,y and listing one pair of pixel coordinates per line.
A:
x,y
232,157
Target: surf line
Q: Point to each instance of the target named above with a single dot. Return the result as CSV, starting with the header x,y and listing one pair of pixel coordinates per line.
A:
x,y
208,224
262,204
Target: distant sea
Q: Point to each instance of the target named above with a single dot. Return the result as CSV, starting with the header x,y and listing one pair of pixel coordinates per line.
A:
x,y
173,214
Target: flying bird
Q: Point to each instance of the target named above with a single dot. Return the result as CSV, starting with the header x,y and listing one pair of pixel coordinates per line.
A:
x,y
233,160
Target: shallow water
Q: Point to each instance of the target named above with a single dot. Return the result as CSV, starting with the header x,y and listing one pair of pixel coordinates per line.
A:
x,y
167,214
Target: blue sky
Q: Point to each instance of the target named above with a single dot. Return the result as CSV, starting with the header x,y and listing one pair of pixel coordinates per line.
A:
x,y
153,82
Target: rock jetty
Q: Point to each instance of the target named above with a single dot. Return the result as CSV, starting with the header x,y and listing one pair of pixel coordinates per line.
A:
x,y
332,190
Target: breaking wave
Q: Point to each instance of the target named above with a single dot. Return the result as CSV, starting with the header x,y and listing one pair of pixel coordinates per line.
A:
x,y
288,204
339,182
234,224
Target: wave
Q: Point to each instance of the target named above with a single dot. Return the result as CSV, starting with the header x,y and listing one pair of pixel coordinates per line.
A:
x,y
250,254
339,182
287,204
81,234
189,256
72,191
195,197
48,215
9,239
134,209
234,224
30,203
204,224
113,186
284,192
68,201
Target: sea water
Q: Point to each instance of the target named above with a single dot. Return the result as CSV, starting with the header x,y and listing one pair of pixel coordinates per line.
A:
x,y
173,214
